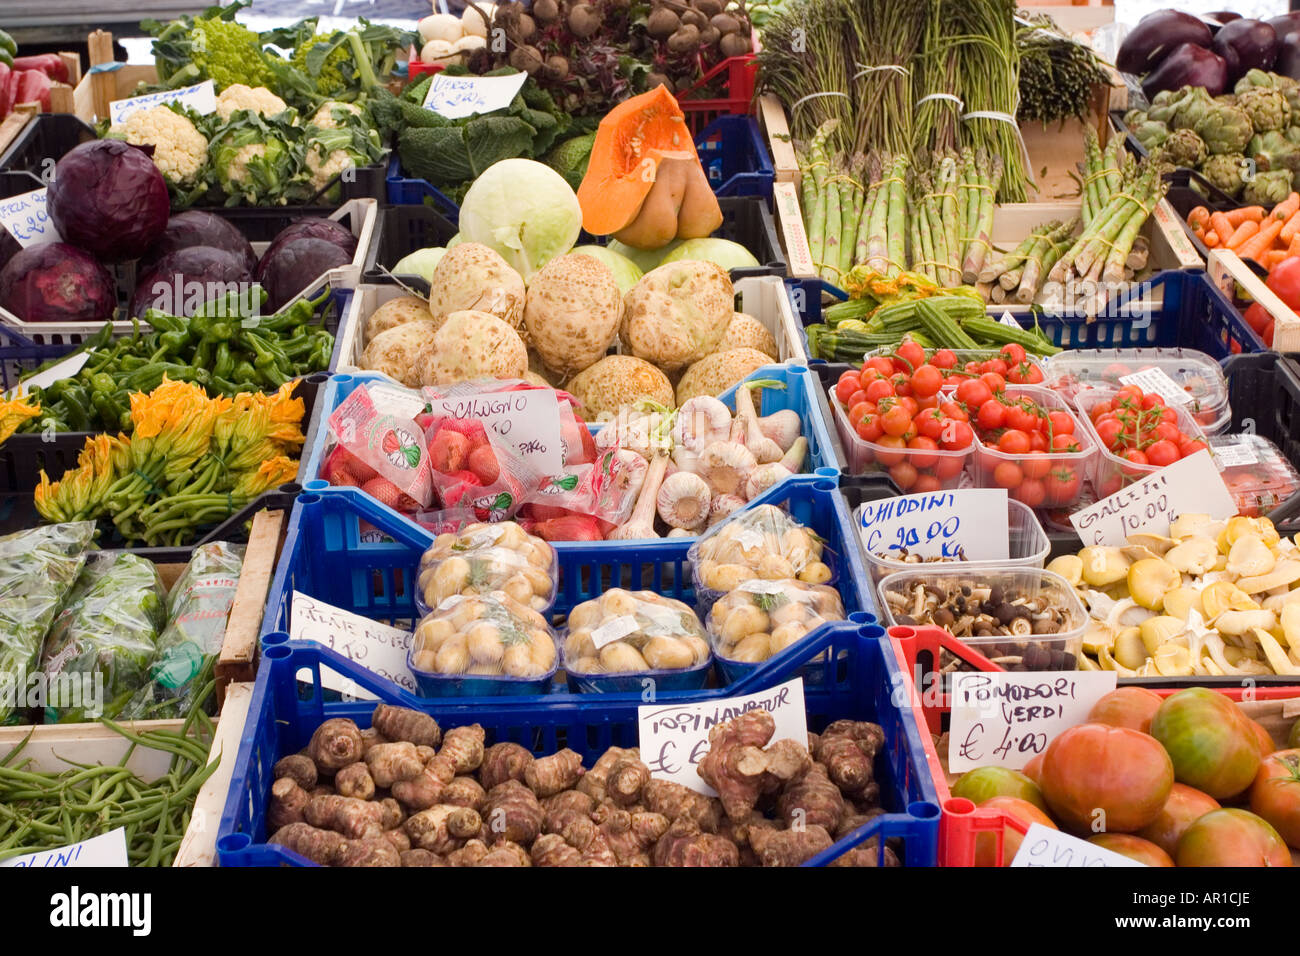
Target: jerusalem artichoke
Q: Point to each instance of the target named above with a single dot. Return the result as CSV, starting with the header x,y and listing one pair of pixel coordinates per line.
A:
x,y
355,819
551,775
288,800
676,802
375,851
443,828
419,857
812,800
684,844
502,762
512,812
354,780
464,792
335,744
789,847
403,723
324,847
390,763
300,767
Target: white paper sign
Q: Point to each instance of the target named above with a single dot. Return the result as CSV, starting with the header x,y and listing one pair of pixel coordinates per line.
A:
x,y
1044,846
527,419
1189,486
60,370
1157,381
1009,320
375,646
25,218
107,849
941,524
201,98
456,97
1006,719
675,737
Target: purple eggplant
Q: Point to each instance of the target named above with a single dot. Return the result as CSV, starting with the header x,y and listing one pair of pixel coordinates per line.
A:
x,y
1156,36
1285,25
1288,56
1246,45
1188,65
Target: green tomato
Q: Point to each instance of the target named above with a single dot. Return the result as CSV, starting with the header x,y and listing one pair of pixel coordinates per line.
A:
x,y
1213,747
986,782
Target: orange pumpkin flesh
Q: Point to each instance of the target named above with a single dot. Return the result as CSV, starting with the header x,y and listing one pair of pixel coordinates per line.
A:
x,y
633,143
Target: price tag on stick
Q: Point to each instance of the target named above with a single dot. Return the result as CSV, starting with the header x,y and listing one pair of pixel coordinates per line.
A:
x,y
675,737
375,646
1006,719
1190,486
966,525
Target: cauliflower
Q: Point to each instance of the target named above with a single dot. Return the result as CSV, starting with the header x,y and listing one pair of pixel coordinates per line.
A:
x,y
180,150
331,151
256,98
324,117
325,166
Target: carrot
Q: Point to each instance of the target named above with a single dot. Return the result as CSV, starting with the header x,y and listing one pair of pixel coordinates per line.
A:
x,y
1199,218
1291,228
1287,207
1237,216
1220,224
1294,248
1211,240
1262,241
1271,258
1242,233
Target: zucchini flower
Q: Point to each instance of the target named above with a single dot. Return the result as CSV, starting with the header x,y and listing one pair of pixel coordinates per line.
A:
x,y
14,413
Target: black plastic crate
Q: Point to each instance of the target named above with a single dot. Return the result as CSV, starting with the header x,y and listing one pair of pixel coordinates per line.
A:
x,y
49,135
1264,392
402,230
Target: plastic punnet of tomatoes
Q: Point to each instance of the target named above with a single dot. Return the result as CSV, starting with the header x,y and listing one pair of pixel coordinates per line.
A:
x,y
1257,474
1180,376
962,363
1028,442
1022,619
1137,434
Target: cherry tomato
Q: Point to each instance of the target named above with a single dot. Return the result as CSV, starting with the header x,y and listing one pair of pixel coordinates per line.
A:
x,y
1021,418
1013,442
887,450
1170,415
1109,433
1114,372
856,398
1111,485
993,367
930,423
991,415
931,401
1062,486
880,388
1101,408
860,409
956,436
1007,475
943,359
1130,394
908,402
1036,465
974,392
1062,423
1168,431
925,484
955,410
994,380
912,355
1032,491
922,444
926,381
881,364
1033,375
1151,400
1162,453
972,367
848,384
1190,446
896,420
1066,443
950,466
902,382
1014,352
1137,457
1038,441
868,427
904,475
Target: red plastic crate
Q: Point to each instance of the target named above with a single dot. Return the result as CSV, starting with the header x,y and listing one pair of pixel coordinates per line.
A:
x,y
741,73
962,822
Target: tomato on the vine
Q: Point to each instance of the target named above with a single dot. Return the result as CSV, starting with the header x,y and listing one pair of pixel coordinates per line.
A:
x,y
1014,352
991,415
955,410
868,427
848,384
904,474
930,423
926,381
956,435
1061,423
944,359
1013,442
1162,453
1032,492
974,392
895,420
923,444
1062,486
911,354
880,388
1007,474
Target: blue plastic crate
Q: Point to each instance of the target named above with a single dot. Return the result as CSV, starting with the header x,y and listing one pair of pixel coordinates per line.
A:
x,y
731,149
860,681
1194,314
800,395
324,557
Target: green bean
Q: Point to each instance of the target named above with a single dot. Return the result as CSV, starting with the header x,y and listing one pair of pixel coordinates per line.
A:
x,y
158,835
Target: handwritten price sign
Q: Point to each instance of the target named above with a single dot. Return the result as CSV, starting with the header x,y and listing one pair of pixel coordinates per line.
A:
x,y
201,97
457,97
108,849
969,525
25,218
528,419
1005,719
376,647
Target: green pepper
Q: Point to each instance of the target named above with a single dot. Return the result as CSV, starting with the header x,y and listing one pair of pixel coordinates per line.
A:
x,y
7,44
171,343
224,362
203,354
131,363
243,372
108,412
165,322
75,401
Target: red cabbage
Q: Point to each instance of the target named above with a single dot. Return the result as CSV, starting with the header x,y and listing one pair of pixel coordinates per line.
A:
x,y
109,198
56,282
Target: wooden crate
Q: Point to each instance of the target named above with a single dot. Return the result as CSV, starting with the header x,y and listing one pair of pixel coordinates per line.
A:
x,y
59,747
239,650
1238,281
99,87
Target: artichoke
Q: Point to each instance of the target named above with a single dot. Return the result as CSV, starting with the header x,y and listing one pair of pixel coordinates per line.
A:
x,y
1182,148
1192,108
1273,151
1256,80
1225,129
1292,134
1227,171
1135,118
1166,102
1150,134
1267,108
1267,189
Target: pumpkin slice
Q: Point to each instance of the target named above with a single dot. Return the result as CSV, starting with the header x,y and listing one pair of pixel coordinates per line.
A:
x,y
632,140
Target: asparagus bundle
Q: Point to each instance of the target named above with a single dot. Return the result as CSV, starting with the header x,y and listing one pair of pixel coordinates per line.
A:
x,y
1102,251
1103,169
935,207
978,222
